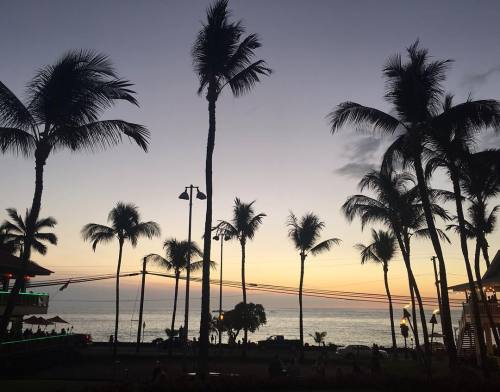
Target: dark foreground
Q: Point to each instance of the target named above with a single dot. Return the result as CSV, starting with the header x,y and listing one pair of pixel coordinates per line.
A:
x,y
93,369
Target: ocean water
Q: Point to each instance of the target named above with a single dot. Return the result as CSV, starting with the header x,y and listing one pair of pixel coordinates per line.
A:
x,y
343,325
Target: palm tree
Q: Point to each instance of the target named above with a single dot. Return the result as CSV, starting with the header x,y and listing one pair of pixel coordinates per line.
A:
x,y
16,232
6,244
62,111
450,139
395,204
177,256
242,227
221,58
381,251
125,225
304,233
318,337
415,90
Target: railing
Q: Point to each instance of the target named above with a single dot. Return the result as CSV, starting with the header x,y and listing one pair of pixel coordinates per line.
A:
x,y
34,302
493,307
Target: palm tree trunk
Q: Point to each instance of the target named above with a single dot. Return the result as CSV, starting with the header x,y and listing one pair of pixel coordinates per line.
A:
x,y
205,286
301,319
415,293
446,315
172,324
391,312
244,288
483,295
41,155
117,298
484,247
472,287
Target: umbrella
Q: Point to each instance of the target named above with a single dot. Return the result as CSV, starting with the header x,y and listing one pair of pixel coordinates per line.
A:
x,y
42,321
33,320
57,320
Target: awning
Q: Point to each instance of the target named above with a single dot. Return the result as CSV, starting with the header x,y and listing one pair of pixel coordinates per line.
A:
x,y
490,279
12,264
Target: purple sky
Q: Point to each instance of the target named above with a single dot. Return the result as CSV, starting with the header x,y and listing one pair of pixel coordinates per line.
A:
x,y
272,145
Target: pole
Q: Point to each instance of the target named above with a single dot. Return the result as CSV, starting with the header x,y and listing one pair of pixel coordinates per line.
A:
x,y
220,289
188,269
438,290
141,306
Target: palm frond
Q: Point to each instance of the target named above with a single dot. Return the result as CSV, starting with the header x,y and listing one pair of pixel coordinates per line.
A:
x,y
325,246
243,81
361,116
17,141
13,113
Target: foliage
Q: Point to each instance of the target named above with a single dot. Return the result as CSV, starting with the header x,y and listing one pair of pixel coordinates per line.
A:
x,y
14,232
249,317
318,337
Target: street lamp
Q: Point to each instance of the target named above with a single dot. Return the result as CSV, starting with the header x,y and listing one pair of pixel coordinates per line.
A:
x,y
221,234
189,196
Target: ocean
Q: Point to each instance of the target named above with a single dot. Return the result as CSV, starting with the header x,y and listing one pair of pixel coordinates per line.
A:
x,y
342,325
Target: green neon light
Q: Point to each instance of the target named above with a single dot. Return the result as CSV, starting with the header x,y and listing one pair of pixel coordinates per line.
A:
x,y
33,339
32,294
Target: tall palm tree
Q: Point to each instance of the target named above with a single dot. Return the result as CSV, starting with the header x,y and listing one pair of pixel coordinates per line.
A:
x,y
242,227
62,111
415,91
305,233
450,139
381,251
222,57
177,255
16,232
125,225
395,204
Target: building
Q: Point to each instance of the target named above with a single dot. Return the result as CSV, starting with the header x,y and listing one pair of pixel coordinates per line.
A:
x,y
466,339
27,302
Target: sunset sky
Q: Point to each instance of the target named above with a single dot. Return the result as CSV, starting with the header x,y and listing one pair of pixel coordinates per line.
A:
x,y
272,145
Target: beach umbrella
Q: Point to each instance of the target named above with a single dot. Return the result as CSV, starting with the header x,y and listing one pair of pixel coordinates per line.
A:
x,y
57,320
33,320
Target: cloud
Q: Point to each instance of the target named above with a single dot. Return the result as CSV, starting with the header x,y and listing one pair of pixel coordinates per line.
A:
x,y
355,170
365,148
478,79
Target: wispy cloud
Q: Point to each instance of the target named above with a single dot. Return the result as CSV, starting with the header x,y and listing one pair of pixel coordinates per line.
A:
x,y
355,170
478,79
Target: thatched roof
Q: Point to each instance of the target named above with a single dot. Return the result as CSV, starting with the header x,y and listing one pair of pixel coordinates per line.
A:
x,y
491,277
12,264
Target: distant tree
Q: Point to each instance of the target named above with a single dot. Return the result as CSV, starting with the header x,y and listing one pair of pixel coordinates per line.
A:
x,y
319,337
6,244
15,232
176,259
381,251
222,58
247,317
64,104
304,233
242,227
125,226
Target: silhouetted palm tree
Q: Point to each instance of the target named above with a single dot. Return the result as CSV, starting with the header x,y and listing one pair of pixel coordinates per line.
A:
x,y
242,227
451,137
396,205
125,225
177,254
381,251
305,233
415,90
64,104
222,57
318,337
6,244
17,232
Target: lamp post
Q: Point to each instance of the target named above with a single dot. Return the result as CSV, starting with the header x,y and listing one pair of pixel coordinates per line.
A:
x,y
404,333
189,196
222,235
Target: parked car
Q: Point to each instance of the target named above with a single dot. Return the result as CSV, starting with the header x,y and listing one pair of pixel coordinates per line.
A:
x,y
359,351
278,341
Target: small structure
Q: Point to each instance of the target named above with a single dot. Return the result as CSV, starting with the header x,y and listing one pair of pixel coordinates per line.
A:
x,y
27,302
466,339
